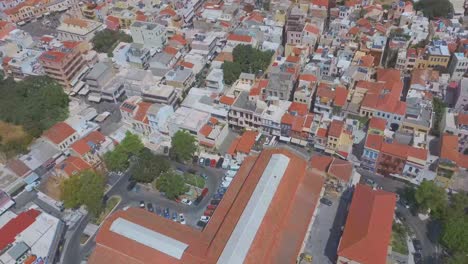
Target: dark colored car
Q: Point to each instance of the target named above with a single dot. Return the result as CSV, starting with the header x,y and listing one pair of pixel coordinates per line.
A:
x,y
211,207
208,212
219,164
207,162
326,201
159,211
222,190
201,224
131,185
417,245
417,258
195,159
215,202
150,207
203,175
217,196
213,163
174,216
166,213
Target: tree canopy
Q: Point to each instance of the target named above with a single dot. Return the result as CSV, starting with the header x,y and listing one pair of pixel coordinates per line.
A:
x,y
439,111
86,188
149,166
35,103
172,184
430,196
246,59
434,8
118,159
183,146
106,40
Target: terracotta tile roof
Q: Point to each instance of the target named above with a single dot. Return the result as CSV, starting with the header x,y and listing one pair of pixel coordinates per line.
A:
x,y
140,114
463,161
353,30
341,169
293,59
206,130
225,56
141,17
73,165
170,50
179,38
213,121
312,29
46,39
322,132
417,153
76,22
322,3
239,38
52,56
16,226
388,75
449,147
168,11
70,44
366,61
321,163
287,119
232,148
59,132
335,129
113,19
368,228
395,149
377,123
308,77
246,142
84,145
325,92
256,16
278,239
227,100
341,95
18,167
186,64
298,108
462,119
374,141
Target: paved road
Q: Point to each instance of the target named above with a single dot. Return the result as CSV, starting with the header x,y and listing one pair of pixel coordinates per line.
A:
x,y
420,228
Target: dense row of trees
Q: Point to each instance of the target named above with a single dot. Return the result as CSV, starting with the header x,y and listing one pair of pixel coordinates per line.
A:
x,y
106,40
36,103
452,212
434,8
246,59
86,188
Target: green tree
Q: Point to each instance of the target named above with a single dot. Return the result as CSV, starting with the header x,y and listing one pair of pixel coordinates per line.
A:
x,y
439,112
434,8
149,166
430,196
118,159
231,72
106,40
172,184
86,188
35,103
183,146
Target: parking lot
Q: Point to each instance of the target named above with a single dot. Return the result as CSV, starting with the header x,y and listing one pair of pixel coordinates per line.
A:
x,y
43,26
325,235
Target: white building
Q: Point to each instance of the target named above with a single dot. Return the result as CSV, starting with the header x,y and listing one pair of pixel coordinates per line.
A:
x,y
151,35
458,66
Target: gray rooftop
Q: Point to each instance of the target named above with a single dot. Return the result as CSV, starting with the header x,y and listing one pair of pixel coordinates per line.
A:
x,y
18,250
98,69
149,238
243,102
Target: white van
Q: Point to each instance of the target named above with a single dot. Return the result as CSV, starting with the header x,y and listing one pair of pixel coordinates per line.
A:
x,y
231,174
234,167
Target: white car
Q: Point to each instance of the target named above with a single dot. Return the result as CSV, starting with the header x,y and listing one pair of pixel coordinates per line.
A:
x,y
231,174
225,184
182,219
227,179
186,201
205,218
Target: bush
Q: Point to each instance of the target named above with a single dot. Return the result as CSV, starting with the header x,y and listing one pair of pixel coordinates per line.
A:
x,y
106,40
172,184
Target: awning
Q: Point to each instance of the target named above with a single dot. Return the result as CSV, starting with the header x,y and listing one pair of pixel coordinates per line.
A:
x,y
31,178
285,139
94,97
84,91
78,87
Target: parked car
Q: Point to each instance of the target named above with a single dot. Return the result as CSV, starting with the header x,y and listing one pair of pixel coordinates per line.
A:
x,y
417,258
234,167
370,182
186,201
217,196
205,218
159,211
201,161
182,219
194,159
221,190
166,213
231,174
203,175
208,212
213,163
326,201
142,204
211,206
207,162
219,164
174,216
215,202
201,224
150,207
417,245
204,192
131,185
225,184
